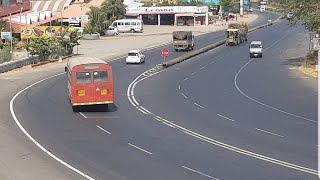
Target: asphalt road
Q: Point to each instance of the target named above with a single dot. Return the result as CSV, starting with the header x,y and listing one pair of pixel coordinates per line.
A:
x,y
126,144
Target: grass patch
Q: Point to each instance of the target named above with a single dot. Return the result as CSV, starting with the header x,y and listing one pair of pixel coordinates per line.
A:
x,y
309,65
5,55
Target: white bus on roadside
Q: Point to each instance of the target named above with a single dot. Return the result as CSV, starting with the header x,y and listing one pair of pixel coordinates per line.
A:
x,y
128,25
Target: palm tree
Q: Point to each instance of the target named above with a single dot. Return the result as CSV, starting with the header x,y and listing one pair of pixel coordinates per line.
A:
x,y
97,23
114,9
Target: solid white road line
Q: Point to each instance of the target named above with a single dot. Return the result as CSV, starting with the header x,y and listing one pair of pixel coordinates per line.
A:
x,y
198,105
254,100
140,148
198,172
225,117
184,95
103,129
83,115
268,132
185,79
35,141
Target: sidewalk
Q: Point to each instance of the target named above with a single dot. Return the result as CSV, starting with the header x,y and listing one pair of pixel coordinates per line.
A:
x,y
109,47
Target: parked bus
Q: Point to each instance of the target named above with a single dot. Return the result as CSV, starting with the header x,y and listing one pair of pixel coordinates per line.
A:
x,y
90,82
128,25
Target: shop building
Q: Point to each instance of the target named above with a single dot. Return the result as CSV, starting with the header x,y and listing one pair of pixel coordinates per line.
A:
x,y
171,15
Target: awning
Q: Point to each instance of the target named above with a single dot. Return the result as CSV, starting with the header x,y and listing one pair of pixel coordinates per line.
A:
x,y
54,5
29,18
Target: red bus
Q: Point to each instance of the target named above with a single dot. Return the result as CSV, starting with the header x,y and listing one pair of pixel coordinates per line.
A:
x,y
89,82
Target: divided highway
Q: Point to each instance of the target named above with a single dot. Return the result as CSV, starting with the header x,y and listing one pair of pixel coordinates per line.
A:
x,y
272,117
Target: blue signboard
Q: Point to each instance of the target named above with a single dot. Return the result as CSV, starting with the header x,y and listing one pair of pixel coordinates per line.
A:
x,y
211,2
5,3
206,2
245,4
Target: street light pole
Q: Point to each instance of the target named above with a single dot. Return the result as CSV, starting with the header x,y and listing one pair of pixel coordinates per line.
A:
x,y
10,26
241,8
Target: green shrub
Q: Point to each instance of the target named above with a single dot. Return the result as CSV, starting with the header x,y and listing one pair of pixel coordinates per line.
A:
x,y
5,55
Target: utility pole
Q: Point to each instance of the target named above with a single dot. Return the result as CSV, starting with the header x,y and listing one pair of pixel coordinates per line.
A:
x,y
241,8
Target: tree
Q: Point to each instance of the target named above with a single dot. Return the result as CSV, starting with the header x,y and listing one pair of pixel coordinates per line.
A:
x,y
4,25
98,21
306,12
231,4
114,9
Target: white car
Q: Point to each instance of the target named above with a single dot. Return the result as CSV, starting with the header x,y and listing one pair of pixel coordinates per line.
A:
x,y
255,49
135,56
112,31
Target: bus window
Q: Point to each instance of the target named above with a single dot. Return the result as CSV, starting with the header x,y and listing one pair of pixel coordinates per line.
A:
x,y
100,76
83,77
133,23
127,23
120,23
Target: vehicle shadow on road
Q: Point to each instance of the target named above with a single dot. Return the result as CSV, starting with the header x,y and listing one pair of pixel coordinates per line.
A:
x,y
296,62
99,108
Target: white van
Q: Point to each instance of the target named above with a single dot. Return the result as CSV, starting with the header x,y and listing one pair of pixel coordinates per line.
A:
x,y
262,8
128,25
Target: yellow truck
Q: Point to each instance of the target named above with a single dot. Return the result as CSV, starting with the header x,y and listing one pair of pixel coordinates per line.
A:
x,y
183,40
236,33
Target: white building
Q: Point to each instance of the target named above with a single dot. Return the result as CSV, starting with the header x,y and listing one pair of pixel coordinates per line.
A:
x,y
171,15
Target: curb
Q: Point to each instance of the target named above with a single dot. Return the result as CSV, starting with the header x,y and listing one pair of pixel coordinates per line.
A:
x,y
205,49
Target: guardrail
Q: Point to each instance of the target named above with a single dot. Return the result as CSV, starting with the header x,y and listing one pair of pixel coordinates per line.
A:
x,y
205,49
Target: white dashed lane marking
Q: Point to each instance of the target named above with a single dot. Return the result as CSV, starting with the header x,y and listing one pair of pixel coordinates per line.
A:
x,y
225,117
268,132
185,79
139,148
198,172
83,115
193,73
184,95
198,105
203,67
103,129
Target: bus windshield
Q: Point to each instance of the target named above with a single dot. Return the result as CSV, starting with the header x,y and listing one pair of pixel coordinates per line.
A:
x,y
100,76
83,77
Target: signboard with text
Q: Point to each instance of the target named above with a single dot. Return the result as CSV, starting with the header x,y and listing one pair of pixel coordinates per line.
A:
x,y
6,35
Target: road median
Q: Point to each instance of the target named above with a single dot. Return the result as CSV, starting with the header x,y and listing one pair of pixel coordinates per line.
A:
x,y
204,49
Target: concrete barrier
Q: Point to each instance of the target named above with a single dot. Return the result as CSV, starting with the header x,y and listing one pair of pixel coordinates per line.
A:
x,y
8,66
204,49
91,36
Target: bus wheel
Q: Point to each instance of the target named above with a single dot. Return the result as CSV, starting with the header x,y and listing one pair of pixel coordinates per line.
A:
x,y
132,31
75,108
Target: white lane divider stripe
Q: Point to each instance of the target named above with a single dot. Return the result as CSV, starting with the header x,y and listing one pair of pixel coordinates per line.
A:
x,y
198,172
179,86
184,95
193,73
203,67
35,141
198,105
268,132
185,79
83,115
103,129
140,148
225,117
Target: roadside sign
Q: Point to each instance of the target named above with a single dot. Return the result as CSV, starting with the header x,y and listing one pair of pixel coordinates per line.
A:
x,y
164,53
84,18
6,35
